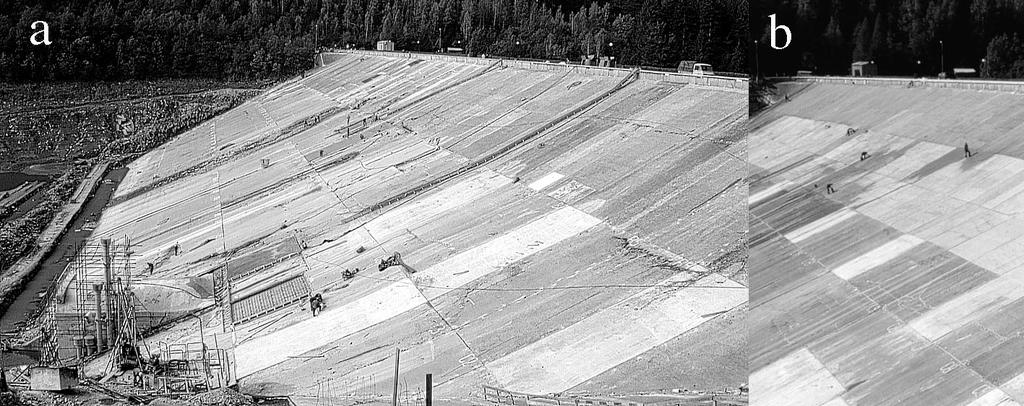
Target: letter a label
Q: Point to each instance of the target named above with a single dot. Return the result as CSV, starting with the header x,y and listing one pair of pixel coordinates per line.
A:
x,y
43,32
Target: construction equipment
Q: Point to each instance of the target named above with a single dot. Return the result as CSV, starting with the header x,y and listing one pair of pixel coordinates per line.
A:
x,y
349,273
394,260
388,262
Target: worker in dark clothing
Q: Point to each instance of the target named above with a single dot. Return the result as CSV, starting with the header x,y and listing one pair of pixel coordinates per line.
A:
x,y
967,151
829,189
864,155
316,304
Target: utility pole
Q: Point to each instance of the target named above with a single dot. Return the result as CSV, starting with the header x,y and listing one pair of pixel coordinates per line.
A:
x,y
430,389
394,398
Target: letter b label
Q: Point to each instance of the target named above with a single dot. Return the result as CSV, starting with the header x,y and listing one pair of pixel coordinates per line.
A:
x,y
775,30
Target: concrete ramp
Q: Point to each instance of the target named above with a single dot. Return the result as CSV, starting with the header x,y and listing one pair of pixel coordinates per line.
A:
x,y
542,212
904,285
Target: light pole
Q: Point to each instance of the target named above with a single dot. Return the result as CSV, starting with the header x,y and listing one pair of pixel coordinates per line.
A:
x,y
757,62
942,57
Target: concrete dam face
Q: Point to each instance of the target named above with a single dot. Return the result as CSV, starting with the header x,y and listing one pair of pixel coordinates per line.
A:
x,y
557,229
886,259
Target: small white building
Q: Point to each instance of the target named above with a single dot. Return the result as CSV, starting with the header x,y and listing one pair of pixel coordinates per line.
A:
x,y
863,69
386,45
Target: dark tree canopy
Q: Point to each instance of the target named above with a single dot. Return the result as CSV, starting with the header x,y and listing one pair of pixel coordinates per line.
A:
x,y
901,36
123,39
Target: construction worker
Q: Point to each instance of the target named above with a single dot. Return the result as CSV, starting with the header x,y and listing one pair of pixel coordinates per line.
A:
x,y
829,189
967,151
316,304
864,155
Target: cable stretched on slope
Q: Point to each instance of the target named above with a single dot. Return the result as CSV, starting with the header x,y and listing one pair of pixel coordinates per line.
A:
x,y
549,288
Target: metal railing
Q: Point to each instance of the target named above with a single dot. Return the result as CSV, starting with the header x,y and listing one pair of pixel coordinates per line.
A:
x,y
964,84
498,396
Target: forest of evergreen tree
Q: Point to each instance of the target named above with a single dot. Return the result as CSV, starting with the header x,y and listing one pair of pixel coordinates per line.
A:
x,y
903,37
134,39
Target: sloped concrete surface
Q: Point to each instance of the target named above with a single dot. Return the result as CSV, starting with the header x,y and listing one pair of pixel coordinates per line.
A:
x,y
614,236
903,286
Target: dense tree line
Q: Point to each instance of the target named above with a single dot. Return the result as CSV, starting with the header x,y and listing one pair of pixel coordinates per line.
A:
x,y
108,39
901,36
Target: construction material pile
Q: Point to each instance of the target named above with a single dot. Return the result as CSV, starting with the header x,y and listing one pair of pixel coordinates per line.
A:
x,y
221,397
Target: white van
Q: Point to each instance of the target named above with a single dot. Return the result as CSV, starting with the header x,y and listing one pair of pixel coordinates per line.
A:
x,y
702,69
695,68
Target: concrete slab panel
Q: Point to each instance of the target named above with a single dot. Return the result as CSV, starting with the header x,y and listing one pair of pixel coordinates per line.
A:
x,y
798,379
615,335
877,256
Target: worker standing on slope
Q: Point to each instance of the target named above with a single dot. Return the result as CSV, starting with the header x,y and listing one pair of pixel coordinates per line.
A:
x,y
967,151
316,304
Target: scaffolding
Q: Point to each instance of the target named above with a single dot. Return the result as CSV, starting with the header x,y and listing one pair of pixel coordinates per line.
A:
x,y
91,307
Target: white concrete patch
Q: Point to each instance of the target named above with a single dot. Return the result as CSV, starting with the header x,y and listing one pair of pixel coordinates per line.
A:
x,y
401,296
877,256
546,180
265,351
614,335
416,213
756,198
513,246
820,225
1014,387
913,159
967,307
798,379
994,397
